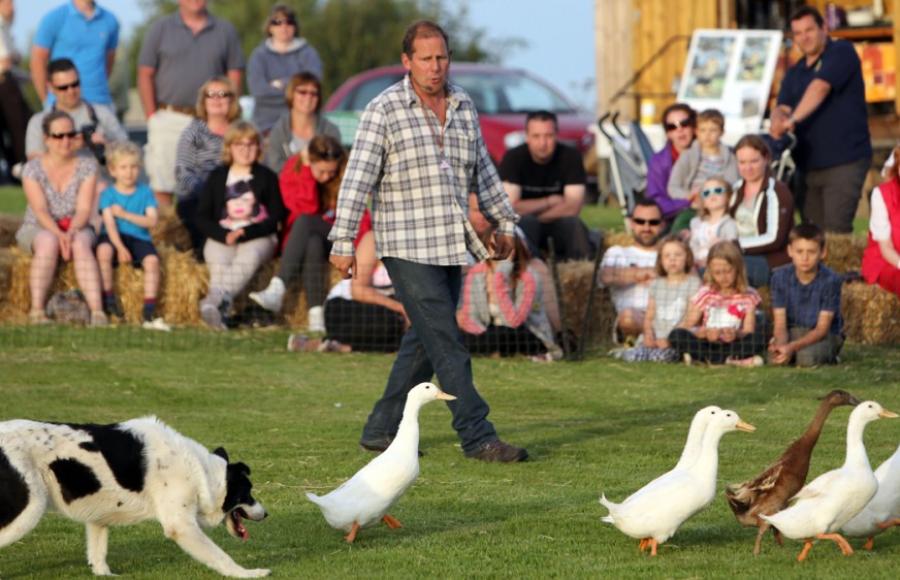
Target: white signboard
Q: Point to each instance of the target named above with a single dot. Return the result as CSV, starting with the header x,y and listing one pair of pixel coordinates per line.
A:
x,y
731,70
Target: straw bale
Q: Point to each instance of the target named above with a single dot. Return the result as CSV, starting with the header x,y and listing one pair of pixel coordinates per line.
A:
x,y
9,225
7,258
575,283
617,239
871,314
844,252
184,283
169,231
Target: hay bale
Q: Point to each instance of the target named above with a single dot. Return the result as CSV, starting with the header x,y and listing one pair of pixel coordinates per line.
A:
x,y
7,257
9,225
844,252
871,314
575,283
169,231
184,283
617,239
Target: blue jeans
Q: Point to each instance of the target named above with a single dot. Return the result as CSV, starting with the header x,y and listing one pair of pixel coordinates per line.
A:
x,y
757,271
433,345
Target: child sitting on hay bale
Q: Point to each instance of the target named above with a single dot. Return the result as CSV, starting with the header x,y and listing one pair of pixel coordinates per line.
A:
x,y
881,259
129,211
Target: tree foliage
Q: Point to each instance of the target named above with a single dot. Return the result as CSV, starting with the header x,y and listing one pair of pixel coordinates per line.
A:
x,y
350,35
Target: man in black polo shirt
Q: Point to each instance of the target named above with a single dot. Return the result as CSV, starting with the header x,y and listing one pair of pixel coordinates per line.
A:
x,y
545,181
822,99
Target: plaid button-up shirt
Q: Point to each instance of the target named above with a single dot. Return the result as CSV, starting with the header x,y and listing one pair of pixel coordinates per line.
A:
x,y
419,188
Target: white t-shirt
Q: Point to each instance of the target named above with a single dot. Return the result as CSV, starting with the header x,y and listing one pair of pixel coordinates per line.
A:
x,y
635,295
879,222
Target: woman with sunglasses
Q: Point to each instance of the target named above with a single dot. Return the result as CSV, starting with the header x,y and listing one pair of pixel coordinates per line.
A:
x,y
272,64
296,128
239,212
680,122
60,189
200,150
309,185
763,209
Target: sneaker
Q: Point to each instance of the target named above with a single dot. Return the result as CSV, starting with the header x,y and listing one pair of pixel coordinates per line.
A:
x,y
112,307
98,319
302,343
753,361
16,170
38,317
272,297
212,316
316,319
156,324
498,451
687,359
331,345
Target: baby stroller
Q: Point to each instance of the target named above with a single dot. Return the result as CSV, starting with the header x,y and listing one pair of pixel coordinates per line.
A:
x,y
782,165
631,152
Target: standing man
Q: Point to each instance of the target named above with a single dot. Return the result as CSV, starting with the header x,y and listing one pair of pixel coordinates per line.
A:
x,y
14,111
86,34
822,99
181,51
545,181
419,151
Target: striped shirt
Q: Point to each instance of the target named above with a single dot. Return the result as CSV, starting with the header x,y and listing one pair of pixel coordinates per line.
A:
x,y
419,189
199,152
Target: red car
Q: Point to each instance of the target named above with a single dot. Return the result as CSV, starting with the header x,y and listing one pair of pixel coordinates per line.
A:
x,y
503,97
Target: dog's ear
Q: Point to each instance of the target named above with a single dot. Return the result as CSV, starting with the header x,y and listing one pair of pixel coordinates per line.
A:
x,y
242,468
220,451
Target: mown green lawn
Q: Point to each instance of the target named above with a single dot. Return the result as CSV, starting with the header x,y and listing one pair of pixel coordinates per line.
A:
x,y
591,427
12,199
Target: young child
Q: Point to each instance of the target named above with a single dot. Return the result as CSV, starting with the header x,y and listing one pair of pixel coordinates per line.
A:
x,y
806,300
670,293
714,224
720,324
707,157
129,211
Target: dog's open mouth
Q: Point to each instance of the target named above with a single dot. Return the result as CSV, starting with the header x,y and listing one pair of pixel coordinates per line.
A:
x,y
237,526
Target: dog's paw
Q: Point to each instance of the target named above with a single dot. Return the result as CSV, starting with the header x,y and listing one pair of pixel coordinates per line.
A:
x,y
256,573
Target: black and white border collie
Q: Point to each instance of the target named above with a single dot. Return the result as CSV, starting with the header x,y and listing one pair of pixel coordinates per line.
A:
x,y
106,475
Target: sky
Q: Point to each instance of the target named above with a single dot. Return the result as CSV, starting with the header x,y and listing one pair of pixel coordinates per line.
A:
x,y
560,39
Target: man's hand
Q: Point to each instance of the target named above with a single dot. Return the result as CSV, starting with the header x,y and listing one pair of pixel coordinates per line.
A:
x,y
346,265
504,247
781,353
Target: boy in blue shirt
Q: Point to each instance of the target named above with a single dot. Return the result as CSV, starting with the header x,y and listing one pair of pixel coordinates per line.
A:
x,y
129,211
806,300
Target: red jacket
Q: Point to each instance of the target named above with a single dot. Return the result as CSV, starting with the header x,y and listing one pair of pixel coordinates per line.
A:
x,y
873,263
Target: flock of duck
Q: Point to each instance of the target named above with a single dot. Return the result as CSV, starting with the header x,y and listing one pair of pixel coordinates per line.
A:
x,y
851,500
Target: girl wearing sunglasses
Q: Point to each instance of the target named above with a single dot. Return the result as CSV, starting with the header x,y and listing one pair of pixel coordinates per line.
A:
x,y
713,224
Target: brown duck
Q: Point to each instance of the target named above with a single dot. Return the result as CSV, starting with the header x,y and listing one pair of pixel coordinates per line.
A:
x,y
769,492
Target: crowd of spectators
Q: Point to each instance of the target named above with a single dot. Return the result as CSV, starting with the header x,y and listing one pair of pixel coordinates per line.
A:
x,y
247,192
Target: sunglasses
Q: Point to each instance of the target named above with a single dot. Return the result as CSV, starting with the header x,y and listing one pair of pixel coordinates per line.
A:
x,y
72,85
219,94
306,92
61,136
282,21
713,191
679,125
643,222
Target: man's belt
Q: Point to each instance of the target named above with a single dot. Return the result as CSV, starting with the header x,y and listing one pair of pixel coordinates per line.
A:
x,y
177,109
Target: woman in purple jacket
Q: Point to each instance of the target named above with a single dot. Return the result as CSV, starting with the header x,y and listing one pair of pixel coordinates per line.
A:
x,y
680,122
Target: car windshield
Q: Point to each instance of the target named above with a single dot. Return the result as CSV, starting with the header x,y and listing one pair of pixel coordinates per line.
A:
x,y
510,93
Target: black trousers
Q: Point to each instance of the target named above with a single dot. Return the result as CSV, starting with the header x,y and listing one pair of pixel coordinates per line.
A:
x,y
306,254
570,236
14,118
365,327
504,340
700,349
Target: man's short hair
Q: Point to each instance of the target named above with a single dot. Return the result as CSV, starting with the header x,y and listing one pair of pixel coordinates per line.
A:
x,y
542,115
60,65
423,29
807,231
810,11
645,202
712,116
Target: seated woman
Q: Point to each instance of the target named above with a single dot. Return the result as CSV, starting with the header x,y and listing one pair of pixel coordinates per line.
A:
x,y
200,150
361,313
296,128
239,212
680,123
309,185
500,308
881,258
763,209
720,324
60,190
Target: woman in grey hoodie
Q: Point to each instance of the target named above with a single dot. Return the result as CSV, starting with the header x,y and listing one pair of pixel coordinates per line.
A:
x,y
272,64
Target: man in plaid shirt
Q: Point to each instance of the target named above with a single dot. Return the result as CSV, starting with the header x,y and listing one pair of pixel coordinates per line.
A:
x,y
419,152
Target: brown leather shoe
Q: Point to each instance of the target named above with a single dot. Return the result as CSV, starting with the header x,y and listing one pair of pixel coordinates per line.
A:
x,y
379,445
498,451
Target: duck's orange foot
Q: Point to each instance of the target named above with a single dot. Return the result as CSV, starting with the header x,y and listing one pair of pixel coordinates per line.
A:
x,y
642,545
352,535
838,539
653,545
391,522
807,546
870,543
889,523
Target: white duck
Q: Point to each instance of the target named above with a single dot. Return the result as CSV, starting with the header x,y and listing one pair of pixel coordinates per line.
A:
x,y
367,496
832,499
883,511
653,513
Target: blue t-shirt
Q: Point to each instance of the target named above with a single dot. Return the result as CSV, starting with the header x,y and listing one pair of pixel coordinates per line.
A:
x,y
67,33
838,130
136,203
804,302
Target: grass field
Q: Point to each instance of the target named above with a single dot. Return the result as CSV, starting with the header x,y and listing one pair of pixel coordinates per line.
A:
x,y
594,426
